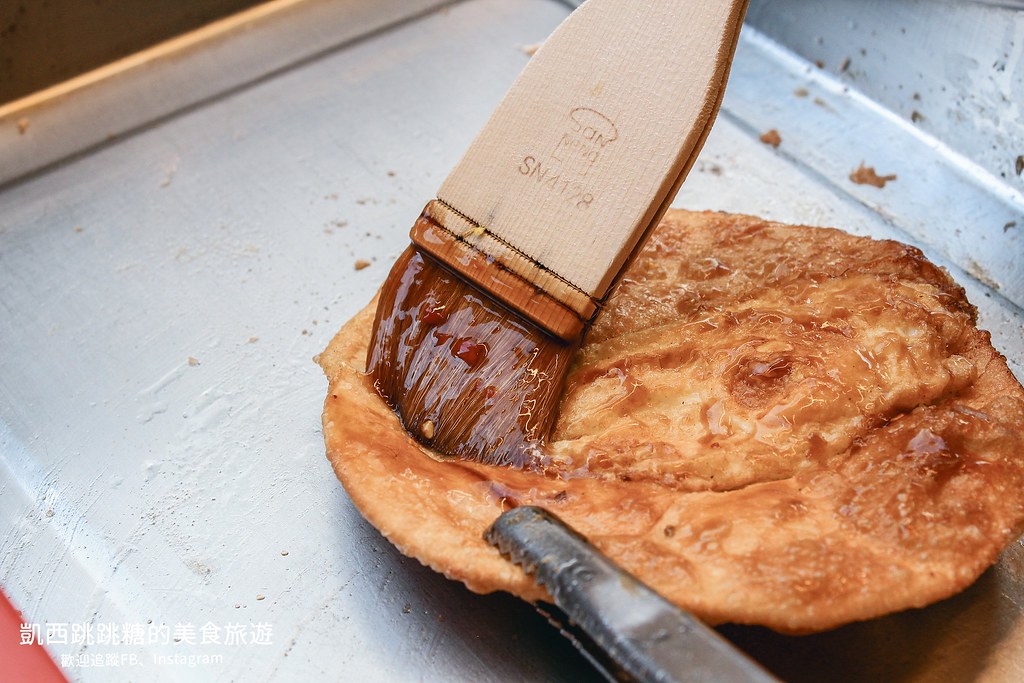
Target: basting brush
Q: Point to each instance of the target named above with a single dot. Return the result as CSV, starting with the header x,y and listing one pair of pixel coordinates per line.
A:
x,y
479,319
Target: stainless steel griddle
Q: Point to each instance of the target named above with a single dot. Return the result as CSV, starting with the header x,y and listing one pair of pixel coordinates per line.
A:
x,y
179,240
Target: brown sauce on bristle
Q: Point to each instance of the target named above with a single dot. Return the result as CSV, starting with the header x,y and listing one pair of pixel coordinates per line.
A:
x,y
468,377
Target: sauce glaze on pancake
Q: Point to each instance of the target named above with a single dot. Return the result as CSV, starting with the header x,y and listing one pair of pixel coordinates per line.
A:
x,y
769,424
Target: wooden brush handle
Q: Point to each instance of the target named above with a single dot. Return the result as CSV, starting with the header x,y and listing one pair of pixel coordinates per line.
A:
x,y
582,157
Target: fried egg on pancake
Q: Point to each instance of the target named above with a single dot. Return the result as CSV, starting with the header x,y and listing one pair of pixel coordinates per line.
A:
x,y
769,424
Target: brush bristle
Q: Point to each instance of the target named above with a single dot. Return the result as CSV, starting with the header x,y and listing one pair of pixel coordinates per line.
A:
x,y
468,378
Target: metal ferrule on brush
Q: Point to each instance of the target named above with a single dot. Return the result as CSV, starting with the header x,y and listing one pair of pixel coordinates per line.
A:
x,y
517,280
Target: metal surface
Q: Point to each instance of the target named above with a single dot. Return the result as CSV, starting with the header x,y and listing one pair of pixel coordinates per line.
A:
x,y
952,69
166,80
42,43
136,485
647,637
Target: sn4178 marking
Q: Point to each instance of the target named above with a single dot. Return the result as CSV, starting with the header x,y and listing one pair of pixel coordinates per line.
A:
x,y
571,191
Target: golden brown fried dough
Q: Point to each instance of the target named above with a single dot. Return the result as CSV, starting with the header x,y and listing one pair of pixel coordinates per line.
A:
x,y
769,424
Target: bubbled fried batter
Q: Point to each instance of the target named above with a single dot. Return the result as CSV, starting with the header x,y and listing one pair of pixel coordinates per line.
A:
x,y
745,383
769,424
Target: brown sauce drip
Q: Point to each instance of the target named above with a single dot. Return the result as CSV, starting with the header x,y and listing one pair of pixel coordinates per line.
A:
x,y
484,382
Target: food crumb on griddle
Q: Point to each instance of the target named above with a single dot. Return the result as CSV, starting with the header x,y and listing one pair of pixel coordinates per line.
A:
x,y
713,169
193,361
361,263
772,138
261,597
866,175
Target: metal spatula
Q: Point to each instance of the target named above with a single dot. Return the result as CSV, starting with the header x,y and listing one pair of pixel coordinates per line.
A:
x,y
626,630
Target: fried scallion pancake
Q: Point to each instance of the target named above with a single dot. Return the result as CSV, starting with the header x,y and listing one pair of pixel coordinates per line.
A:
x,y
769,424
